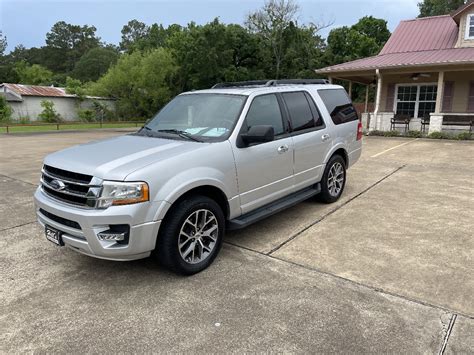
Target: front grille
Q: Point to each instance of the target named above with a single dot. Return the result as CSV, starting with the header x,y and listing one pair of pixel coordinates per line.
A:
x,y
60,220
70,187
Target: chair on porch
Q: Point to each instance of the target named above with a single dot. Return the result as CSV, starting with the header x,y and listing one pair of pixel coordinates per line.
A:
x,y
400,119
425,121
459,120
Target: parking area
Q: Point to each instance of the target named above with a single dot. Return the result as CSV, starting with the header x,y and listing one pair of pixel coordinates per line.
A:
x,y
388,268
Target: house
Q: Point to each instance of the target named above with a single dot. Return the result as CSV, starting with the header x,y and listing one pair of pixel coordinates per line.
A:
x,y
425,73
25,101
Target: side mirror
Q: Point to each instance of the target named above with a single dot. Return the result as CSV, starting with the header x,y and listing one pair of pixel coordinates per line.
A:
x,y
258,134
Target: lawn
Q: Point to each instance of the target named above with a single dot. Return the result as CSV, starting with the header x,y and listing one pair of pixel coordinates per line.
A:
x,y
66,127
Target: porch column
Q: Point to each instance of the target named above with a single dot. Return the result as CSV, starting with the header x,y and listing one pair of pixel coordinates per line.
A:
x,y
367,98
374,121
436,119
330,79
440,94
350,90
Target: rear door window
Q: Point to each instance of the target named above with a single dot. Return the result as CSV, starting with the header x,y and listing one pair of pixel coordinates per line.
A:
x,y
339,105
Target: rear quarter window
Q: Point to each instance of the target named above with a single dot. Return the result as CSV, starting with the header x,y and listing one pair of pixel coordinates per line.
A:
x,y
339,105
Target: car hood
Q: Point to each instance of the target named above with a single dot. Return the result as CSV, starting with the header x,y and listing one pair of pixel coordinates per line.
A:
x,y
115,158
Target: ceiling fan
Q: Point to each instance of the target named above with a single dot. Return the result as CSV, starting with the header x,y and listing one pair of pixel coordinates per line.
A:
x,y
416,76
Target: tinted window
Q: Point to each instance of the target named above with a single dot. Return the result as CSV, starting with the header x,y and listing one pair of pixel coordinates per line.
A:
x,y
339,105
299,110
265,110
317,116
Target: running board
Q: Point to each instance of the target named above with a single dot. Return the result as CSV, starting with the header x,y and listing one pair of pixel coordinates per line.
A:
x,y
273,208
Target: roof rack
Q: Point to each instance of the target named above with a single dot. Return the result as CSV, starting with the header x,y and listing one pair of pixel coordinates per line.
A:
x,y
266,83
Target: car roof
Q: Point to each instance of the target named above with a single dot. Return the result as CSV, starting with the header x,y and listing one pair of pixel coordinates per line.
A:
x,y
249,90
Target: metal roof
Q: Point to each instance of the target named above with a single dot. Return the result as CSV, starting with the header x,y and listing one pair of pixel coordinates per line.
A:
x,y
35,90
426,41
410,59
424,34
20,90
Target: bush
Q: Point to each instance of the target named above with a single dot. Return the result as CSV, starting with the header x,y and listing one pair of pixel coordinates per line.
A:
x,y
375,133
464,136
439,135
391,134
5,110
414,134
49,114
86,115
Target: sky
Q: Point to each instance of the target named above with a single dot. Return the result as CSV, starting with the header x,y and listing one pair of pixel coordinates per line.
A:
x,y
27,21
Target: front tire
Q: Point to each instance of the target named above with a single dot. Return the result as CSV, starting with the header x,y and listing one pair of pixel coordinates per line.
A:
x,y
334,180
191,235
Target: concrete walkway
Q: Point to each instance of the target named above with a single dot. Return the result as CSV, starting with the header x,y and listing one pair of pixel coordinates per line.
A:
x,y
388,268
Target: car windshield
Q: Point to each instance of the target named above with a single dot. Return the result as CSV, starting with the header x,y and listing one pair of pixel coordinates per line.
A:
x,y
198,117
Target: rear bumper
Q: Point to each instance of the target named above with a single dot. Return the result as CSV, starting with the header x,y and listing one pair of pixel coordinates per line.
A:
x,y
142,238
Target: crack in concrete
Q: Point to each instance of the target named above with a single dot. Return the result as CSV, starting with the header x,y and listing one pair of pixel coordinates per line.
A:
x,y
373,288
448,333
294,236
18,226
15,179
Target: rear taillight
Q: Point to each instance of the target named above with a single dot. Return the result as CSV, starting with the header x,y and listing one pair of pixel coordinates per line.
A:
x,y
359,131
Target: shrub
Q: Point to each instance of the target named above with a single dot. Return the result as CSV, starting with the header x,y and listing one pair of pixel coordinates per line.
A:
x,y
391,134
86,115
438,135
5,110
49,114
376,133
414,134
464,136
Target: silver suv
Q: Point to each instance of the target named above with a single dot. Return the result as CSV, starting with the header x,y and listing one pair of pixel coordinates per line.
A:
x,y
210,160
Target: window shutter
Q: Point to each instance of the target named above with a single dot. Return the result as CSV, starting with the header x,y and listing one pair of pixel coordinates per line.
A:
x,y
470,100
390,98
448,96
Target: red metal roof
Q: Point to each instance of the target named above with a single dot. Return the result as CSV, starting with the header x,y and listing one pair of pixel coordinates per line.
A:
x,y
34,90
421,42
424,34
410,59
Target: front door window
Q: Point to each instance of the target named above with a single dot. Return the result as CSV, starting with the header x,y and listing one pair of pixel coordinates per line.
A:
x,y
416,101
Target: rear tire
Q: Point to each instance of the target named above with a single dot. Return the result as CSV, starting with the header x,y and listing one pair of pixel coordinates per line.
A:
x,y
334,180
191,235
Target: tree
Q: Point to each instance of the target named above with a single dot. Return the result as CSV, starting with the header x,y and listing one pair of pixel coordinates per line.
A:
x,y
95,63
3,44
133,33
66,43
212,53
141,82
270,22
438,7
49,114
33,74
364,39
5,110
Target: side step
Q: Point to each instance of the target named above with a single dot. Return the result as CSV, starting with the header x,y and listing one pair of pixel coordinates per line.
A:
x,y
273,208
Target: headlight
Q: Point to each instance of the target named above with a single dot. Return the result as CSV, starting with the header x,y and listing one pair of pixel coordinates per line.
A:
x,y
123,193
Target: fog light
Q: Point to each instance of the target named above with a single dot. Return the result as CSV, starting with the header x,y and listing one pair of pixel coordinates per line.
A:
x,y
116,233
111,236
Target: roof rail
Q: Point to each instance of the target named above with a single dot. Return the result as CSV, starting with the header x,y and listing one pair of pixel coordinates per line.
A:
x,y
263,83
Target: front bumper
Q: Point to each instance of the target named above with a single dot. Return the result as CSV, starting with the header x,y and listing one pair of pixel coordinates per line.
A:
x,y
143,230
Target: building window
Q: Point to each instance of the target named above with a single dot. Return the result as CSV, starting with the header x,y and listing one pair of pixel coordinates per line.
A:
x,y
470,27
416,101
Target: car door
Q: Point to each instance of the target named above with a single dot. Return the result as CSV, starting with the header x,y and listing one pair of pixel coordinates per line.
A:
x,y
264,170
311,139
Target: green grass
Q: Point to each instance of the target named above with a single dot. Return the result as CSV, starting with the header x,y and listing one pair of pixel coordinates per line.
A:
x,y
66,127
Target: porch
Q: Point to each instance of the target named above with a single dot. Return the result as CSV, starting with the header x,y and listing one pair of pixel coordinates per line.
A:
x,y
431,99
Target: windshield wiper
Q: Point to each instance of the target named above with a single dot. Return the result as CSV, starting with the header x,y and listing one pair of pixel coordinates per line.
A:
x,y
182,134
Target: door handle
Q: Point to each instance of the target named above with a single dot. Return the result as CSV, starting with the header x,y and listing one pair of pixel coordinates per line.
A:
x,y
283,149
325,137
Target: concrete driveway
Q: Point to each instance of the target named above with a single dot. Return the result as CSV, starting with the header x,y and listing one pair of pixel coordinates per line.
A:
x,y
388,268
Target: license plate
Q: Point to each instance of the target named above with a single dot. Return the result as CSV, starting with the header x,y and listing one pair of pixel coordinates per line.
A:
x,y
53,235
